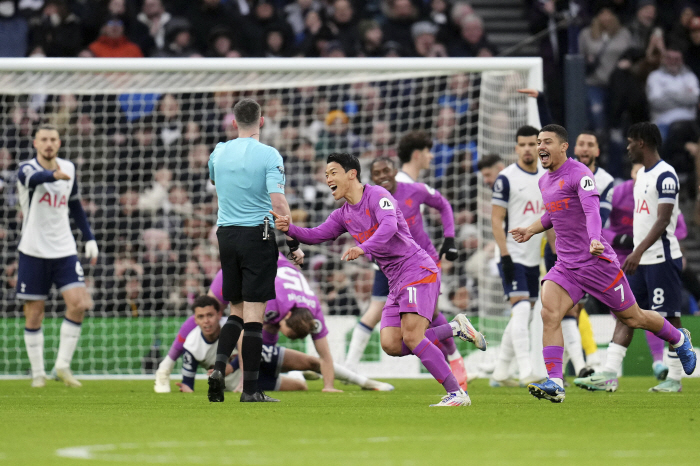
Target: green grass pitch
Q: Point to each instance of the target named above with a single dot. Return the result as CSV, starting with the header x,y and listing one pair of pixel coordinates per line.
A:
x,y
125,423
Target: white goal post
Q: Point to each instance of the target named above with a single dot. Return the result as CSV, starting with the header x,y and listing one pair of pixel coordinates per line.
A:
x,y
140,132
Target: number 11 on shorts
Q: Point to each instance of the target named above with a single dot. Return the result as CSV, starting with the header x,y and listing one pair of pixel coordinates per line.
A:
x,y
411,294
622,292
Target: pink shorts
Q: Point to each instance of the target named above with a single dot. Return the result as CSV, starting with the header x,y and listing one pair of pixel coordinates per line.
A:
x,y
603,280
419,297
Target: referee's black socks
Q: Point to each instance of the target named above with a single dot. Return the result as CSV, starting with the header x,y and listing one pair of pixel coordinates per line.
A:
x,y
252,353
227,342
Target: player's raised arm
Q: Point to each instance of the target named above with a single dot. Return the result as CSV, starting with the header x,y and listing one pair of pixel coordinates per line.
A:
x,y
327,231
437,201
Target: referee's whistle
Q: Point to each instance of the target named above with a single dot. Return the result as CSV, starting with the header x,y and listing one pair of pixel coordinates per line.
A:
x,y
266,229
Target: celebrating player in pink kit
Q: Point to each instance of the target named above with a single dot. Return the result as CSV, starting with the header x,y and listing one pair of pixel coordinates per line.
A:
x,y
380,231
573,210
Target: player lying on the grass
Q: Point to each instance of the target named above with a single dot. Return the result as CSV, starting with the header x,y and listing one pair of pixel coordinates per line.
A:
x,y
48,196
380,232
620,235
655,264
410,196
200,349
573,210
283,315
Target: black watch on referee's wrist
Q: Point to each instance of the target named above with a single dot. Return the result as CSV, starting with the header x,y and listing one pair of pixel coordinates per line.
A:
x,y
292,244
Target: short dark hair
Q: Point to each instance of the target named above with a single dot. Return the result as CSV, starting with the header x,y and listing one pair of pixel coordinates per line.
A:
x,y
301,321
560,131
411,141
526,131
589,133
205,301
246,112
45,127
647,132
345,160
488,161
388,160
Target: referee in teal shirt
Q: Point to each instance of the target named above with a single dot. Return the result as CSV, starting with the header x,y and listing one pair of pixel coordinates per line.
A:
x,y
249,180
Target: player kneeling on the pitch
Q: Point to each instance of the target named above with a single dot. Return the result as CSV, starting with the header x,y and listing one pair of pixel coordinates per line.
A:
x,y
283,314
200,348
48,193
573,210
655,264
380,231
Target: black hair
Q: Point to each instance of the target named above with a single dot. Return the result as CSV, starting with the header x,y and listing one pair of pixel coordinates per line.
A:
x,y
204,301
246,112
560,131
488,161
345,160
589,133
647,132
411,141
526,131
388,160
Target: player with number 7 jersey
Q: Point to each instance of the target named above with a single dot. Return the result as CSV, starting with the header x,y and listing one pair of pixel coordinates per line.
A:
x,y
573,210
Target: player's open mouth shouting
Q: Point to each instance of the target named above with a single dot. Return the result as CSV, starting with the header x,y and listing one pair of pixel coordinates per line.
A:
x,y
544,157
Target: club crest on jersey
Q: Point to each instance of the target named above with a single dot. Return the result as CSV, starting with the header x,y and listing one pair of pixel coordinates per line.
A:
x,y
498,186
55,200
385,204
318,326
271,315
587,183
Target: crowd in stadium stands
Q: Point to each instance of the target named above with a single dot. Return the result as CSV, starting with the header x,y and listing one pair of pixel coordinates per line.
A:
x,y
142,159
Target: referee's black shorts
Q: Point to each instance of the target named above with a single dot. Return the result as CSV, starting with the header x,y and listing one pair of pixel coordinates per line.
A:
x,y
248,264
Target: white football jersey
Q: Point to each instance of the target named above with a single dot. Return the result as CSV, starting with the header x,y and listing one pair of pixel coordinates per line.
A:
x,y
403,177
203,351
46,231
518,191
657,186
604,181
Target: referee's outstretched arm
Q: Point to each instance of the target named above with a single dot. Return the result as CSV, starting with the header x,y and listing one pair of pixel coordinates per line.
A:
x,y
280,205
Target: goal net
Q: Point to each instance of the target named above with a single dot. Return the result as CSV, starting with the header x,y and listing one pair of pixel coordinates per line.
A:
x,y
140,133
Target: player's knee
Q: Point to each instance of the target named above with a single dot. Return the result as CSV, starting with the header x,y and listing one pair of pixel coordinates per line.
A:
x,y
549,316
413,337
392,348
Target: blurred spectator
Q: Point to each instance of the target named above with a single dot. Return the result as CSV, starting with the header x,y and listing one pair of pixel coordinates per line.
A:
x,y
672,91
451,32
14,30
316,36
222,44
155,18
168,120
343,18
680,29
642,26
278,43
400,16
472,41
336,136
602,44
296,14
692,53
57,32
262,19
424,42
205,16
178,40
371,38
336,288
112,43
